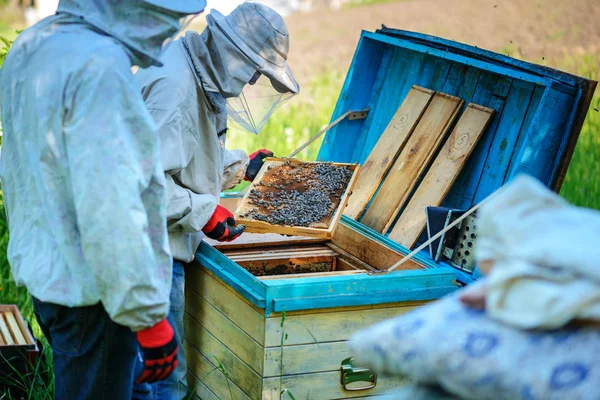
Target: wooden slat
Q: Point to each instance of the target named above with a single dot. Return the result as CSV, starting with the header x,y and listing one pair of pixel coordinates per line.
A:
x,y
227,302
251,240
324,386
367,250
355,260
387,149
311,275
283,255
305,359
199,388
267,250
6,335
238,371
502,148
14,328
491,92
325,327
442,174
219,326
413,160
211,376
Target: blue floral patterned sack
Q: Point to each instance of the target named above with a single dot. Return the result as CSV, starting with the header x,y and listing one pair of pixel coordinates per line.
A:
x,y
474,357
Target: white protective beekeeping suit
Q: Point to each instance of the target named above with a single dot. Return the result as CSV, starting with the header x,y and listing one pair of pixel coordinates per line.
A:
x,y
188,98
83,186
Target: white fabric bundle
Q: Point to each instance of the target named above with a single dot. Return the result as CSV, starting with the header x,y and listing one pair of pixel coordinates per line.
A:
x,y
545,254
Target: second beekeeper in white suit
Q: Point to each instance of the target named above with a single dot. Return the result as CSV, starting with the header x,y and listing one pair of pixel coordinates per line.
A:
x,y
235,70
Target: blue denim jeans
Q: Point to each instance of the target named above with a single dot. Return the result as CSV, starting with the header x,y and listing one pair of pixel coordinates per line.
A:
x,y
94,358
174,387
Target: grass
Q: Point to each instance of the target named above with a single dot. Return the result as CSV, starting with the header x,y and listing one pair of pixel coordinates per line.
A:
x,y
300,118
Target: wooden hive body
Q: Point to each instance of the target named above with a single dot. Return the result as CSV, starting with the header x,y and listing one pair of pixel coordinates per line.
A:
x,y
251,338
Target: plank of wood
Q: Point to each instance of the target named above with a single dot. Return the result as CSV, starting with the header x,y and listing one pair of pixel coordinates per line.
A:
x,y
303,359
283,255
442,174
210,347
503,149
326,327
252,240
5,332
311,275
229,303
325,386
367,250
412,161
211,376
200,389
387,148
491,92
355,260
228,333
14,328
273,250
344,264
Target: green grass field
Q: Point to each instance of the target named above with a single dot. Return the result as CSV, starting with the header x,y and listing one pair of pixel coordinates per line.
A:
x,y
300,118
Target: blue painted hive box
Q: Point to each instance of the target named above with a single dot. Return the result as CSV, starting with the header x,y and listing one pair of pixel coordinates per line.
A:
x,y
269,337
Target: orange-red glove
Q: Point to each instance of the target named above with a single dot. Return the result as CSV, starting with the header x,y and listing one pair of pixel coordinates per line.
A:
x,y
257,159
221,226
159,348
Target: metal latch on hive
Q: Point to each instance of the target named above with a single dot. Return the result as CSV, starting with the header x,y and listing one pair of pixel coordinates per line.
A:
x,y
356,378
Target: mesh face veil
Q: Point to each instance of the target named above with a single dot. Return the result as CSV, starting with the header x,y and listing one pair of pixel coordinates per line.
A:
x,y
251,110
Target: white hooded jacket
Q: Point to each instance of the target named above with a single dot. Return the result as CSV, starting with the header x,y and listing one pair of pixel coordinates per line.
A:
x,y
82,182
197,165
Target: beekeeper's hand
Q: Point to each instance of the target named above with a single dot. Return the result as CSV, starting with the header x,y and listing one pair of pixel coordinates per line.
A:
x,y
475,297
221,226
159,348
257,159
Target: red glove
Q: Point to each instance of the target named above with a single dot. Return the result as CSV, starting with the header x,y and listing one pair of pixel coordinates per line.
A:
x,y
257,159
221,226
160,352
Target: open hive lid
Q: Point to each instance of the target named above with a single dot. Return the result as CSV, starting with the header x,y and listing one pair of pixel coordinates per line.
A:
x,y
537,114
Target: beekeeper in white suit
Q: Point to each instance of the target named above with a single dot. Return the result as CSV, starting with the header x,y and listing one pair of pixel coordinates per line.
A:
x,y
228,70
85,194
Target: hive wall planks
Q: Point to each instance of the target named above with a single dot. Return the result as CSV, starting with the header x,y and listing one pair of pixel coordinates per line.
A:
x,y
5,332
442,174
387,149
413,160
14,328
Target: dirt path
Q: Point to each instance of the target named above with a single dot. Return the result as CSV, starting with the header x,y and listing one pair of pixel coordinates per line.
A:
x,y
531,29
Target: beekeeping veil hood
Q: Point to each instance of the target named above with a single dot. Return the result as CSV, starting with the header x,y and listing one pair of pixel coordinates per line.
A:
x,y
251,42
143,26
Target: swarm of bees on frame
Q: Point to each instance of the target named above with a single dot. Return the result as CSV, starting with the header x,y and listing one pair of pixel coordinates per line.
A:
x,y
298,194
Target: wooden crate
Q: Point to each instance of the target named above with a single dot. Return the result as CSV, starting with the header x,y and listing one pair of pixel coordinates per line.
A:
x,y
321,230
234,350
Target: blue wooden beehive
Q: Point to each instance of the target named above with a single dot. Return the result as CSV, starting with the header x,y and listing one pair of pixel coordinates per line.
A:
x,y
241,320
